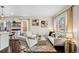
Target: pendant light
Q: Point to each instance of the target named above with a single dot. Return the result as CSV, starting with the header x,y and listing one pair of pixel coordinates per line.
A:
x,y
2,12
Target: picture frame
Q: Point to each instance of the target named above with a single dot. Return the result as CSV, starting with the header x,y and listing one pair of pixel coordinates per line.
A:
x,y
62,24
44,23
35,22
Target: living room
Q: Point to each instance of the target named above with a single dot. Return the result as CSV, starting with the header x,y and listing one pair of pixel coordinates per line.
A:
x,y
34,29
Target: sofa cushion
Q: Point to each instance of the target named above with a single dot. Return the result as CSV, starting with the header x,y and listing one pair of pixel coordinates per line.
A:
x,y
59,42
51,39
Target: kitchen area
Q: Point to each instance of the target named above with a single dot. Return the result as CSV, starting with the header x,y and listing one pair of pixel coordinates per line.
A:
x,y
10,28
4,34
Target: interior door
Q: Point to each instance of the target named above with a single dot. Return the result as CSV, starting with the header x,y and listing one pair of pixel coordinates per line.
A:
x,y
24,25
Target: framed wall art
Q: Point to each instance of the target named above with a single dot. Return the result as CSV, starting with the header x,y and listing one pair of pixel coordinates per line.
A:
x,y
61,25
44,23
35,22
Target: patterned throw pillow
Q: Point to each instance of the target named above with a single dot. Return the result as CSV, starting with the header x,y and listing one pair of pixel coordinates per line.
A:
x,y
53,35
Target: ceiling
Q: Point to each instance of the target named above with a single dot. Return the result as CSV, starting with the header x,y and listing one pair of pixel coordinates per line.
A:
x,y
32,10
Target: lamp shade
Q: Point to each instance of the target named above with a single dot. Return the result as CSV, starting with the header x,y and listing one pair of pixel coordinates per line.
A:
x,y
69,35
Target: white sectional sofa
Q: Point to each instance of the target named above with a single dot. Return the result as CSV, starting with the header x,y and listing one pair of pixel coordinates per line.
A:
x,y
56,41
30,38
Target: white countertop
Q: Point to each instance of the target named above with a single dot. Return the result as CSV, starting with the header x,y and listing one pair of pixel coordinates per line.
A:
x,y
3,32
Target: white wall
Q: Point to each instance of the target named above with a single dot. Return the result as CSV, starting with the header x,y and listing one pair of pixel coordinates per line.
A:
x,y
76,24
38,29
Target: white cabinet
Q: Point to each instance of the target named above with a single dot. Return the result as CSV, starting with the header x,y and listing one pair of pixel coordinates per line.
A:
x,y
4,40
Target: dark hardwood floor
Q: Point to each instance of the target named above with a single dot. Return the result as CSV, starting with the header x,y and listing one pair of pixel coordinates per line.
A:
x,y
60,49
5,50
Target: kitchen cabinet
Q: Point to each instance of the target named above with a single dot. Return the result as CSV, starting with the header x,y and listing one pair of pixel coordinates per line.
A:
x,y
4,40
